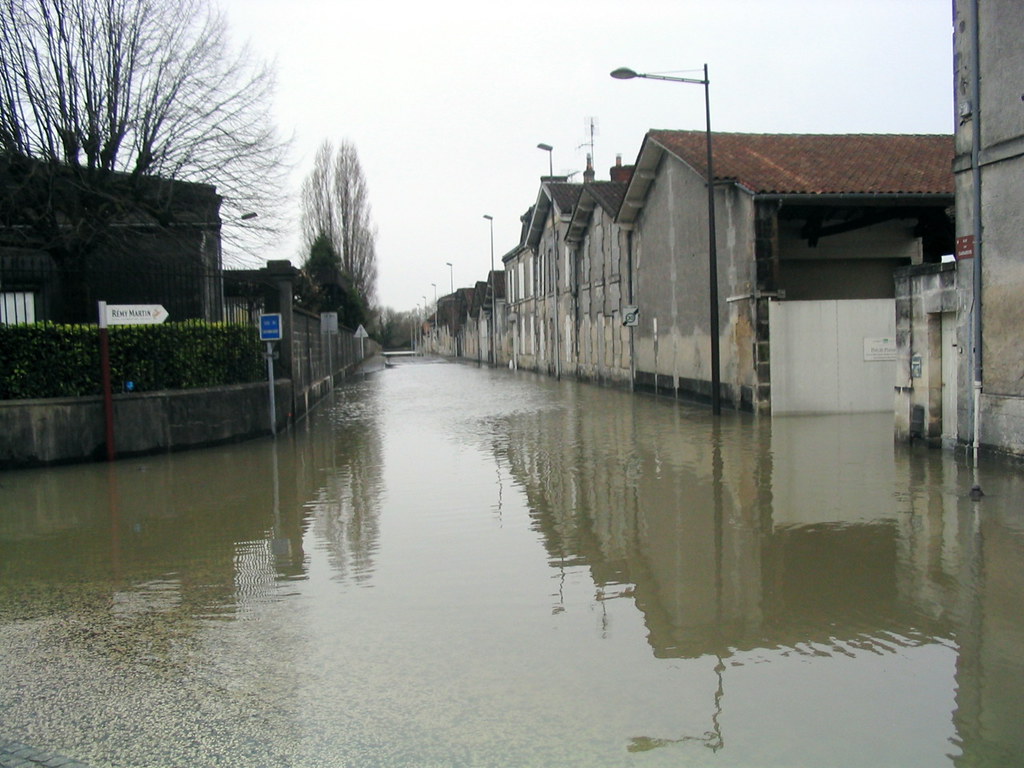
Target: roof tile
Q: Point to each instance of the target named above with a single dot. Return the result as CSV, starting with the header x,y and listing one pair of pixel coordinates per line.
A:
x,y
821,163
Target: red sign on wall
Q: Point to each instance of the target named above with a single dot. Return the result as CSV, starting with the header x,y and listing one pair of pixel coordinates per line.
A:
x,y
965,247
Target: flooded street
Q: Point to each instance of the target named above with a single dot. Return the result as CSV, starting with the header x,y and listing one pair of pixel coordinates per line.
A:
x,y
454,566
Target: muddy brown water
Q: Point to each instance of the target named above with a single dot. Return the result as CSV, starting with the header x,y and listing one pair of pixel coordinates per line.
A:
x,y
447,565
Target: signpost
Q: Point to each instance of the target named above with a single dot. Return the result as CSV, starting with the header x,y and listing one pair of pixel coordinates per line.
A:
x,y
135,314
119,314
270,327
270,331
361,334
329,325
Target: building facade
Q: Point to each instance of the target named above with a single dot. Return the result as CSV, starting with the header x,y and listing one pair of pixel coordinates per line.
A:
x,y
809,232
599,285
989,172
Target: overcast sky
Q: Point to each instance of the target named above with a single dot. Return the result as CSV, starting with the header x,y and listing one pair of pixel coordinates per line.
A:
x,y
446,101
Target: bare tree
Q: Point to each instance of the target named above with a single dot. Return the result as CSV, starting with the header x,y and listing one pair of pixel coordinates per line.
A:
x,y
358,234
336,206
319,217
99,97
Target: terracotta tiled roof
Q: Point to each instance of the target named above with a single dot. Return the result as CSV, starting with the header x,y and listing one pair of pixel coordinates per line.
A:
x,y
608,194
565,195
821,163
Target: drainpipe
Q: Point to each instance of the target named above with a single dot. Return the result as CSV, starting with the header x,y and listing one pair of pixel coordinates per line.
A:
x,y
976,223
629,291
554,254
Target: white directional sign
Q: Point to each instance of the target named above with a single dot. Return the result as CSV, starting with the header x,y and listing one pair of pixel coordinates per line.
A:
x,y
135,314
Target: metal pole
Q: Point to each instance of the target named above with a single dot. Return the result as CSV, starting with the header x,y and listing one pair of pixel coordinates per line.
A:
x,y
451,327
270,387
108,398
976,222
330,361
716,373
494,313
625,73
554,256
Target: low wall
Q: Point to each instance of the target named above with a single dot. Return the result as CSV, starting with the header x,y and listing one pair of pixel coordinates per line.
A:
x,y
64,430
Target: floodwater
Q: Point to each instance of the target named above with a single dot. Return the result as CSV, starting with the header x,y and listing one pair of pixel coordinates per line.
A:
x,y
448,565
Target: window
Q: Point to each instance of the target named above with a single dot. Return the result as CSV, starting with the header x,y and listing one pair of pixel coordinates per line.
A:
x,y
17,307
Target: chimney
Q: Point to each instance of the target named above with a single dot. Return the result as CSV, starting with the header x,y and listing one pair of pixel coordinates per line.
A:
x,y
620,172
588,175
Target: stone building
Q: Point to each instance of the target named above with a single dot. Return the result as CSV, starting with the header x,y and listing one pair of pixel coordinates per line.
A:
x,y
539,299
809,231
153,241
989,171
599,282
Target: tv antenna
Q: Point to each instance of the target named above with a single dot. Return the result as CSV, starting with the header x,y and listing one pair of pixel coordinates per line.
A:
x,y
591,132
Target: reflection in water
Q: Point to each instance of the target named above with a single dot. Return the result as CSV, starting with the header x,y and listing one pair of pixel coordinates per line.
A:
x,y
808,536
454,566
345,508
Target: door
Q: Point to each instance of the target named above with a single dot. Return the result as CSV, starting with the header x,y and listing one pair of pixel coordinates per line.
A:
x,y
832,356
950,366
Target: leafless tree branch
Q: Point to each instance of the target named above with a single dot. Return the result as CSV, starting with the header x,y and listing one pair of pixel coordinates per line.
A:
x,y
94,89
336,205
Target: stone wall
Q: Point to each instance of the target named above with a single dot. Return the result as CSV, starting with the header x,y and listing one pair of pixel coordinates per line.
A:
x,y
923,294
65,430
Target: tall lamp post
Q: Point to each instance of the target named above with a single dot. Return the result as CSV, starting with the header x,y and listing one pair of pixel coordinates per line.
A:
x,y
624,73
451,303
554,253
494,314
433,326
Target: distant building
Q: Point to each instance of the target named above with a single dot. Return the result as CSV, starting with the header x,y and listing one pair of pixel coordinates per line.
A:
x,y
540,300
156,241
599,283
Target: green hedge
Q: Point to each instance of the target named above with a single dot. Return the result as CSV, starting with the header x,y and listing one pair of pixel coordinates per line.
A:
x,y
50,360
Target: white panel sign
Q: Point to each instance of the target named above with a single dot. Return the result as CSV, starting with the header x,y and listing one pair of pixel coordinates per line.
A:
x,y
879,349
135,314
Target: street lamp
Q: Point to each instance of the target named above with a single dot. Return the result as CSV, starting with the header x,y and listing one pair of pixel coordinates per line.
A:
x,y
625,73
494,314
554,254
451,303
548,148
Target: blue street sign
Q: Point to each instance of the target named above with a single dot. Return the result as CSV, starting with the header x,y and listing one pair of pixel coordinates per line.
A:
x,y
270,327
